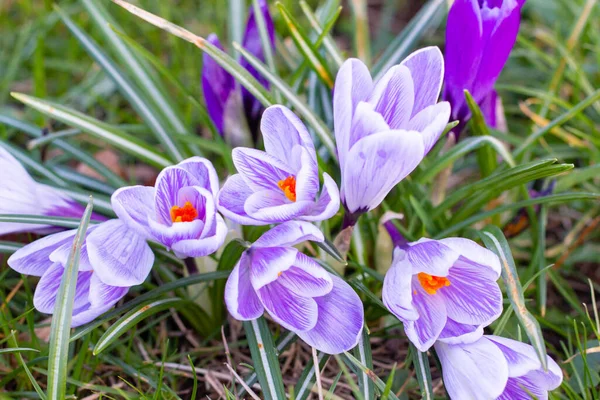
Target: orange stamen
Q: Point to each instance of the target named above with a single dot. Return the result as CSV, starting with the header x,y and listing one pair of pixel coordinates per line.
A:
x,y
431,284
288,186
187,213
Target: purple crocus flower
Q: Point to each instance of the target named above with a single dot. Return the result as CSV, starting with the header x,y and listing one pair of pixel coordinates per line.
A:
x,y
20,194
479,37
496,368
443,290
113,258
297,292
384,129
282,183
225,101
179,211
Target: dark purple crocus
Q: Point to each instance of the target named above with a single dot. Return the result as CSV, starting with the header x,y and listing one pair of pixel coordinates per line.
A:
x,y
479,37
113,258
496,368
297,292
20,194
231,108
443,290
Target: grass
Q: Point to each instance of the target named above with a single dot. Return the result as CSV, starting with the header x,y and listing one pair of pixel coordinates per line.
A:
x,y
132,94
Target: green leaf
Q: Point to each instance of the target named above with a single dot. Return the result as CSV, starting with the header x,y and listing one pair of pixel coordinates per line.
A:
x,y
363,353
378,382
17,350
63,312
7,247
307,378
12,341
133,317
96,128
40,220
388,384
494,239
323,33
264,357
485,155
330,249
423,372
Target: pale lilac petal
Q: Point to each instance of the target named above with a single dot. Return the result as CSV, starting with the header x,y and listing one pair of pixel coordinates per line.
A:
x,y
475,253
168,183
102,298
339,322
231,200
134,205
205,245
119,255
476,371
471,298
379,162
306,278
458,333
259,169
394,96
289,234
397,287
204,172
328,204
431,257
353,84
273,207
61,254
307,179
34,258
292,311
46,291
241,299
427,72
365,122
431,122
432,317
266,264
523,388
169,235
217,85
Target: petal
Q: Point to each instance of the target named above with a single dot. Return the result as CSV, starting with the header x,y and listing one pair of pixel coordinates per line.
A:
x,y
394,96
168,183
205,245
46,291
431,257
289,234
458,333
471,298
169,235
524,388
489,109
397,287
340,320
217,85
102,298
427,71
475,371
476,254
353,84
306,278
379,162
62,253
204,172
432,318
259,169
134,205
119,255
231,200
273,207
292,311
282,130
328,204
241,299
431,122
34,258
267,264
307,179
366,121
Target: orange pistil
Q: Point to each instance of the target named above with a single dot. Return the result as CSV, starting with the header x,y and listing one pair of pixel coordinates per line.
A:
x,y
187,213
431,284
288,186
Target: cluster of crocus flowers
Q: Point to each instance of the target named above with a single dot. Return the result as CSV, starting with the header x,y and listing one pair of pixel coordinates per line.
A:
x,y
384,129
479,37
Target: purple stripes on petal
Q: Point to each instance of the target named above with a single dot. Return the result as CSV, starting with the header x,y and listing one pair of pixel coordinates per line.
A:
x,y
432,318
289,234
282,130
328,203
273,207
475,253
397,288
268,263
168,183
427,73
307,179
431,122
259,169
306,278
204,172
206,244
231,200
102,298
241,300
366,121
394,96
134,205
46,291
431,257
294,312
33,259
458,333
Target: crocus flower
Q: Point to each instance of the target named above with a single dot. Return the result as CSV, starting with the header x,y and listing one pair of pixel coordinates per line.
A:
x,y
443,290
113,258
496,368
225,101
20,194
479,37
179,211
282,183
384,129
297,292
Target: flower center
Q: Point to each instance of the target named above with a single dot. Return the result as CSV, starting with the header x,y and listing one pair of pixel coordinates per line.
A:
x,y
431,283
187,213
288,186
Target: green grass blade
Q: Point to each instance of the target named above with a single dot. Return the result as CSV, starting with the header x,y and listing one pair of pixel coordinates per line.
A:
x,y
494,239
363,353
329,43
423,372
362,43
65,222
12,341
485,154
307,378
63,312
266,363
265,40
374,378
